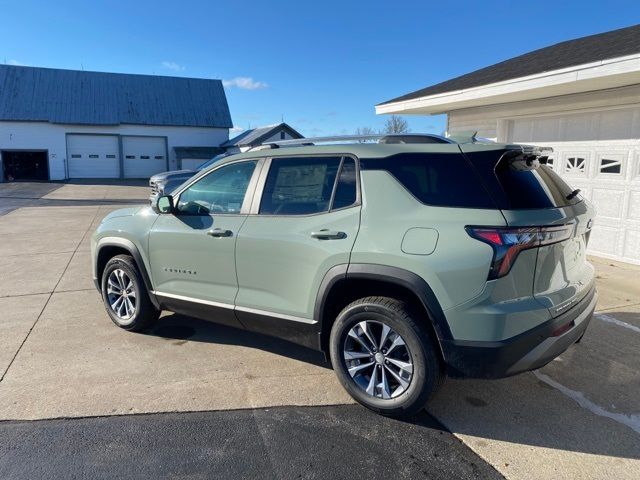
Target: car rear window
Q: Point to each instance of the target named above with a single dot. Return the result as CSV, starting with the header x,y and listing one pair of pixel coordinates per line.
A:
x,y
516,185
439,179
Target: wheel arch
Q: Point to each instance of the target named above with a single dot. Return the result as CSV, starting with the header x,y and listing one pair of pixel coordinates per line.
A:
x,y
343,283
108,247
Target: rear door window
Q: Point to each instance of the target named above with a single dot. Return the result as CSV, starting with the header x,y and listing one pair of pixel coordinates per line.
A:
x,y
299,185
347,188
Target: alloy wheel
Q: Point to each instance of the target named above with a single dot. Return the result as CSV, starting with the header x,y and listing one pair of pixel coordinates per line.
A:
x,y
121,294
378,359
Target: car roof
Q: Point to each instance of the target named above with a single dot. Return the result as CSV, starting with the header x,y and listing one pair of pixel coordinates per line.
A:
x,y
362,150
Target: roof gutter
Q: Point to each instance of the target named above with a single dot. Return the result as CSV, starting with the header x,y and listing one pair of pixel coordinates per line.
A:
x,y
604,74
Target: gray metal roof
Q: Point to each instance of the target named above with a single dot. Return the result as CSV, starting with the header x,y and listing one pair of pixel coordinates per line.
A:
x,y
602,46
256,136
96,98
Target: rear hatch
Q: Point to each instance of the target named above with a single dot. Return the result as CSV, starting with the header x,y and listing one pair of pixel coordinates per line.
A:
x,y
556,219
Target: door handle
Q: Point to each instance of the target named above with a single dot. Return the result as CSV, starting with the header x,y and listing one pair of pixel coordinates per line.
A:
x,y
219,232
326,234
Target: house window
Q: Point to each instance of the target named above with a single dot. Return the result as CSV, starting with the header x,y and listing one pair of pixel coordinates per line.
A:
x,y
611,164
111,156
94,156
159,157
576,165
550,161
76,155
144,157
281,135
130,157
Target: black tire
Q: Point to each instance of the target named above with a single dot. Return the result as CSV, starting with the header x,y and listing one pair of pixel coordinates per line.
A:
x,y
144,312
427,369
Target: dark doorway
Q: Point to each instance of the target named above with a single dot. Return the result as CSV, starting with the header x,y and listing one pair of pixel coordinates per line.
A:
x,y
25,165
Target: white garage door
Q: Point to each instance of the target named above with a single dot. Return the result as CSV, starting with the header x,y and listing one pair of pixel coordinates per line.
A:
x,y
599,153
93,156
144,156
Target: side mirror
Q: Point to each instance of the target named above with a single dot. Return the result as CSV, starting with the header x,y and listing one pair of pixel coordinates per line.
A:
x,y
163,204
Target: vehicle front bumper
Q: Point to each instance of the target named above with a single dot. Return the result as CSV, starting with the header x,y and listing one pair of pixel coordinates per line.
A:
x,y
527,351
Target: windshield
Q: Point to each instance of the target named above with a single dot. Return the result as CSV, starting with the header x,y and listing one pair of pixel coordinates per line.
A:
x,y
210,162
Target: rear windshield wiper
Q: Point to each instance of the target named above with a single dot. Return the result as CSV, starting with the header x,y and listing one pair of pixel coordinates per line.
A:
x,y
573,194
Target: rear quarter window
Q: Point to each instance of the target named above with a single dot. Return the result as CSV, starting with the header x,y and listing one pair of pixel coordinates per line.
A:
x,y
514,186
438,179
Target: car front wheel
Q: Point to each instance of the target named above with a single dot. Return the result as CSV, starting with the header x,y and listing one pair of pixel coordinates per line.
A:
x,y
125,295
384,357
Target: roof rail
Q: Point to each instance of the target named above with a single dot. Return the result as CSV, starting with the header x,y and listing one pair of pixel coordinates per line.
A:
x,y
380,138
266,146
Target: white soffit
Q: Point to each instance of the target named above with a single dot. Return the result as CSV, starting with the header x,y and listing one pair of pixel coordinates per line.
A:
x,y
601,75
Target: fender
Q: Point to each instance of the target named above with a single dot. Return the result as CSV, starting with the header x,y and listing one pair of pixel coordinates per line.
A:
x,y
130,247
384,273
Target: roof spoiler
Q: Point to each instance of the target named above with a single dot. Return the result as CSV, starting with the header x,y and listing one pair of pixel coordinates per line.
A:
x,y
526,157
464,137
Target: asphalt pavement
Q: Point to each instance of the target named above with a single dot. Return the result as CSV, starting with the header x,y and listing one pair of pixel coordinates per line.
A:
x,y
332,442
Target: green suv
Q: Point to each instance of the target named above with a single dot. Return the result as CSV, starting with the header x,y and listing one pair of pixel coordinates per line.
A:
x,y
404,260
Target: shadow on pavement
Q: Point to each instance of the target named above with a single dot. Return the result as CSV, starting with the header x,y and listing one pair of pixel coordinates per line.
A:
x,y
520,410
27,190
61,202
598,377
129,182
180,327
333,442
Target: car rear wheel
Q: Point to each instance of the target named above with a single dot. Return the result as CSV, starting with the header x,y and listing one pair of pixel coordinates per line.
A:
x,y
125,295
383,357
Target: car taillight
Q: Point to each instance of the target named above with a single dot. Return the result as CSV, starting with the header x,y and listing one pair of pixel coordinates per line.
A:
x,y
507,243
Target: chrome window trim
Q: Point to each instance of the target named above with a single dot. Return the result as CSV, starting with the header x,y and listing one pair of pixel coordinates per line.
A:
x,y
193,300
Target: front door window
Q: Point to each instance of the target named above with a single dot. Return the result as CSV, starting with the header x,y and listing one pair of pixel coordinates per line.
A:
x,y
220,192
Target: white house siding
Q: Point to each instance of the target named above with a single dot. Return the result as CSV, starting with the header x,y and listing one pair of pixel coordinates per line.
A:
x,y
585,130
52,137
273,138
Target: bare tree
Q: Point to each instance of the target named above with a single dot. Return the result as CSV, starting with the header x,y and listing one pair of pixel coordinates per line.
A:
x,y
365,131
396,124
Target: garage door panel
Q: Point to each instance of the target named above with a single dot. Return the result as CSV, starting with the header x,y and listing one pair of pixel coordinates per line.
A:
x,y
631,249
634,206
605,239
93,156
144,156
599,153
609,202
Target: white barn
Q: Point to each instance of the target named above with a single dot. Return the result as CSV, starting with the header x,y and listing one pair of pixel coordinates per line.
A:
x,y
64,124
581,97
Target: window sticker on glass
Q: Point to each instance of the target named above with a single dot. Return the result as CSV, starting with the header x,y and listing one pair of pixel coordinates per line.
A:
x,y
300,183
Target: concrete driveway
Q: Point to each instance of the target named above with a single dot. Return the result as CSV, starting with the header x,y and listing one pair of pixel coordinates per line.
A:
x,y
61,357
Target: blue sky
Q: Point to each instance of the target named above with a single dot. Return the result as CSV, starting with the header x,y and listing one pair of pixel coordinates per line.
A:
x,y
322,65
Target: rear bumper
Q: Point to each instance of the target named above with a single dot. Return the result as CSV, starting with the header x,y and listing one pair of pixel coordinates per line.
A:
x,y
527,351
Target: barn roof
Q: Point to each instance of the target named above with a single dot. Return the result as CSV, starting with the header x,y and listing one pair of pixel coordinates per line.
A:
x,y
98,98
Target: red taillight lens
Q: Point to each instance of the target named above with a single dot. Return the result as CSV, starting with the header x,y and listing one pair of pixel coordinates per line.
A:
x,y
507,243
